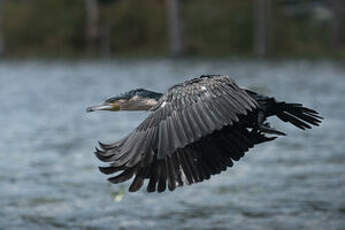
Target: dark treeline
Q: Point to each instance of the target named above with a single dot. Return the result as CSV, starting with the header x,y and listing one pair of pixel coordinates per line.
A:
x,y
160,27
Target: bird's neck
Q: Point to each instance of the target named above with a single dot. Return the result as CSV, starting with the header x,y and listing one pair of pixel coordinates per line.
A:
x,y
138,103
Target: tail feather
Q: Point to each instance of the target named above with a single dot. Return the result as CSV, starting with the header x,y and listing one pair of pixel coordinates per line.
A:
x,y
297,115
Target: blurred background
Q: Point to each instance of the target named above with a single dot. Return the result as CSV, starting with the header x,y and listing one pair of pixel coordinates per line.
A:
x,y
79,28
59,56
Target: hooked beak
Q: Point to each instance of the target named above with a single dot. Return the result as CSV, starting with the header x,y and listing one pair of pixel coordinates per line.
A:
x,y
104,106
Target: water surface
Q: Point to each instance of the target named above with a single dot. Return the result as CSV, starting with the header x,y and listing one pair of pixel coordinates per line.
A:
x,y
49,177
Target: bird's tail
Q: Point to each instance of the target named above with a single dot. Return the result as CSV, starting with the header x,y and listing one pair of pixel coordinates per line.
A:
x,y
297,114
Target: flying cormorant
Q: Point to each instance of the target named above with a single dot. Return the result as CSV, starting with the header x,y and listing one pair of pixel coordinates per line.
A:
x,y
195,130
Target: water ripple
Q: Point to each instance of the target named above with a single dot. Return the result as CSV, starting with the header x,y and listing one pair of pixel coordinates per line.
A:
x,y
50,180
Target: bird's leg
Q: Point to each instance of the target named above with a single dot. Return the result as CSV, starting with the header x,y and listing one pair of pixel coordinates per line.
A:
x,y
265,127
258,130
257,124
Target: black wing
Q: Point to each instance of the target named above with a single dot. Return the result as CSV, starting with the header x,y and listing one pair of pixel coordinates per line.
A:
x,y
185,137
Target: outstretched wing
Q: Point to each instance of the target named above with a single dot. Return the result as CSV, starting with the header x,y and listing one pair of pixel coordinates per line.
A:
x,y
181,131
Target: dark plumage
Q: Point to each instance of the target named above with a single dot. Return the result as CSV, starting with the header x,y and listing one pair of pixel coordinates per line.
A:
x,y
136,92
196,130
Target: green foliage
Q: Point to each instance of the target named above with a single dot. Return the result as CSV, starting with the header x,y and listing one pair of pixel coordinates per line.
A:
x,y
300,36
43,27
218,28
139,27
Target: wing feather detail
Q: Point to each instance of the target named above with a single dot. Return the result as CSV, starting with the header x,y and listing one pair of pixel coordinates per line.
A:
x,y
191,134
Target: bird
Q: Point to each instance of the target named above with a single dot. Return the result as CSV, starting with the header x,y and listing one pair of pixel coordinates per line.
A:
x,y
195,130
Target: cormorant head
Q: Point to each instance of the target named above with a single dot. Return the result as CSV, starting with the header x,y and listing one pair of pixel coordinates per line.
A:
x,y
137,99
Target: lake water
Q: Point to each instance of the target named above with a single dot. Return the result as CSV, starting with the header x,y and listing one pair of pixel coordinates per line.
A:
x,y
49,177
